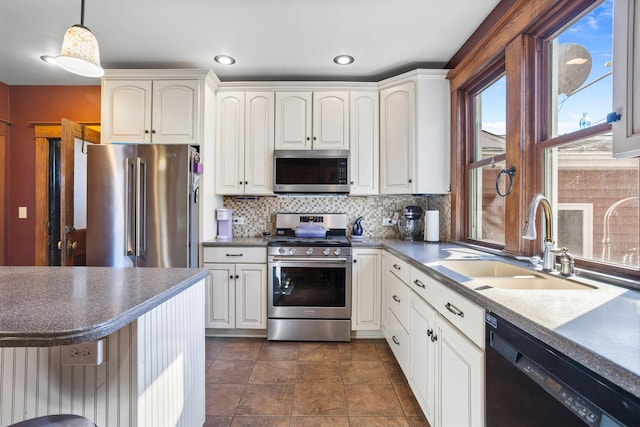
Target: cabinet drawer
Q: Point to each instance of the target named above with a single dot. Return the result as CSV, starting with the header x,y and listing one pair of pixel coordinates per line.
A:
x,y
422,284
399,268
464,314
398,300
398,340
235,254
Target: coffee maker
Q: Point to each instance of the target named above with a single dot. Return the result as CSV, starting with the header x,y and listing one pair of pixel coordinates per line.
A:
x,y
409,225
225,224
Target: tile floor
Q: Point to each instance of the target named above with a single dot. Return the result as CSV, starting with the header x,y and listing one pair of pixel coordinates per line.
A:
x,y
255,382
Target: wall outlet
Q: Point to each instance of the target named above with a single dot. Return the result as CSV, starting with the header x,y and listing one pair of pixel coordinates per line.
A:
x,y
237,220
388,222
88,353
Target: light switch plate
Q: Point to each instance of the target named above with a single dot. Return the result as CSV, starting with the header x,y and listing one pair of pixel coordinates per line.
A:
x,y
22,212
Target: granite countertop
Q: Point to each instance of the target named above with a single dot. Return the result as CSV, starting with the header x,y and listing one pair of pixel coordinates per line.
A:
x,y
599,328
49,306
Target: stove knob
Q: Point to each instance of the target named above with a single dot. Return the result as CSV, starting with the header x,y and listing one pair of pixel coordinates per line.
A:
x,y
338,251
281,251
292,251
309,251
326,251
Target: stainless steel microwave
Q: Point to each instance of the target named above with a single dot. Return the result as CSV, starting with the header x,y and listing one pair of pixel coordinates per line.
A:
x,y
311,171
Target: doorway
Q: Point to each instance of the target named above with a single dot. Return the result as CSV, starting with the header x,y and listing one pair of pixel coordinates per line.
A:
x,y
60,165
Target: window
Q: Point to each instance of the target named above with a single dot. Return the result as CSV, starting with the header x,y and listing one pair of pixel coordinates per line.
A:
x,y
552,76
604,224
486,219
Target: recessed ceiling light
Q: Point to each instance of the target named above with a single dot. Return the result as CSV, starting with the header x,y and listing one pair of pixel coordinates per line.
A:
x,y
343,59
224,60
49,59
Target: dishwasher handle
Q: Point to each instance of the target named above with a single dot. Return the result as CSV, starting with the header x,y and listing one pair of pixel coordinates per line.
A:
x,y
500,345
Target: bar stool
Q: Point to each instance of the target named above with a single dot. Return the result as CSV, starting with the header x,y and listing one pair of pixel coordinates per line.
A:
x,y
65,420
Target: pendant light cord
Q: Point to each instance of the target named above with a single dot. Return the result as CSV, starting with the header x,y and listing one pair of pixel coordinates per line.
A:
x,y
82,13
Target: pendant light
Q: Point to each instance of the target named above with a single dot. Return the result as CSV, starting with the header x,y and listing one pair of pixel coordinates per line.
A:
x,y
79,53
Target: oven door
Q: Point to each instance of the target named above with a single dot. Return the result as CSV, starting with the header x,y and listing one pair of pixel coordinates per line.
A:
x,y
305,288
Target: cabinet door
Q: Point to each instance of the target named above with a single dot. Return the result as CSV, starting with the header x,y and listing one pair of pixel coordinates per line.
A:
x,y
126,111
460,395
230,137
422,377
366,290
251,296
397,106
293,121
364,154
221,296
626,81
259,143
175,112
331,121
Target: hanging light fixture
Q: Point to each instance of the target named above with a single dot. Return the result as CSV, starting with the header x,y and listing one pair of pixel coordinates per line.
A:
x,y
79,53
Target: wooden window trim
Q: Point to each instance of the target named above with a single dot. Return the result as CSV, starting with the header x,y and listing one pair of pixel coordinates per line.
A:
x,y
517,37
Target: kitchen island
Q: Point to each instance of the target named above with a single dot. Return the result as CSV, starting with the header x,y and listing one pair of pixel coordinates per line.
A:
x,y
150,322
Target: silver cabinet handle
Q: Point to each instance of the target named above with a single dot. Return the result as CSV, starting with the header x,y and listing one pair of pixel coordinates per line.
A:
x,y
395,298
434,338
455,310
419,284
234,254
396,266
429,332
395,340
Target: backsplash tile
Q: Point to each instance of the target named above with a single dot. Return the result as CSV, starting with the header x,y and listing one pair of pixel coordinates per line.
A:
x,y
259,213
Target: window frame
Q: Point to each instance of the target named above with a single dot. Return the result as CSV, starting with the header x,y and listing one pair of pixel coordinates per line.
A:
x,y
493,73
520,40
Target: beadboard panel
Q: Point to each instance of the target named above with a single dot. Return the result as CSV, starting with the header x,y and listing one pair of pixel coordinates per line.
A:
x,y
152,375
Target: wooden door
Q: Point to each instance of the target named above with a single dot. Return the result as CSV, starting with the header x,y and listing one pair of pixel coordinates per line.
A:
x,y
72,240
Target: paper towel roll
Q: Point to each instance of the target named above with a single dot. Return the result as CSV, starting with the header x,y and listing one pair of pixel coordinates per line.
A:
x,y
432,226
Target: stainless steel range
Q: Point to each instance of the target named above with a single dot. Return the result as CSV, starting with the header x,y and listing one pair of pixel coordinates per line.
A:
x,y
309,263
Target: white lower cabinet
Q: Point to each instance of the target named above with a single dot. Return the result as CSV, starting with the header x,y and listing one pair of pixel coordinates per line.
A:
x,y
460,385
422,378
237,292
446,370
366,290
437,337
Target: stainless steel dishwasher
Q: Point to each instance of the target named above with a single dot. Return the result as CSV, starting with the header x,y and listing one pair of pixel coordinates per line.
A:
x,y
529,383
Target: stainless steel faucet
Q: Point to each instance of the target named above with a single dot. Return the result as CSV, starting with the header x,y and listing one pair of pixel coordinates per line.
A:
x,y
529,230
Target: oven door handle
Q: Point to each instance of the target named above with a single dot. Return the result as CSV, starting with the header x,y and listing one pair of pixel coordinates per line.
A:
x,y
309,259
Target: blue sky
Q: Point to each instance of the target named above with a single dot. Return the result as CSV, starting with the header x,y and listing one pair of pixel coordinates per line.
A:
x,y
594,32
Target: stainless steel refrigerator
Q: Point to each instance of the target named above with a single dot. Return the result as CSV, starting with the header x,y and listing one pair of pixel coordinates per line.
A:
x,y
142,205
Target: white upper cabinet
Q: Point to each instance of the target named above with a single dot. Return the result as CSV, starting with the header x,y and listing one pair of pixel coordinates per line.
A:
x,y
397,140
230,143
415,133
244,143
306,120
626,78
364,141
147,110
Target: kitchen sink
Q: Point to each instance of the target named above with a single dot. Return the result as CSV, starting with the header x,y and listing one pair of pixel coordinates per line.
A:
x,y
498,274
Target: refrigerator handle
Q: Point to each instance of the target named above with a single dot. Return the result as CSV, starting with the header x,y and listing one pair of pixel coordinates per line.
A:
x,y
141,204
129,207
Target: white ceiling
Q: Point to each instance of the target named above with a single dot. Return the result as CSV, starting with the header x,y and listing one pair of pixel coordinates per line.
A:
x,y
270,39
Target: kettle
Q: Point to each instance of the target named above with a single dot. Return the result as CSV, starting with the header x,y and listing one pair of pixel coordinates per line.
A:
x,y
356,230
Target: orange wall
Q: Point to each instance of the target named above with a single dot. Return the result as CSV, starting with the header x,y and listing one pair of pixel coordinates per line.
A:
x,y
36,104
